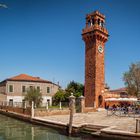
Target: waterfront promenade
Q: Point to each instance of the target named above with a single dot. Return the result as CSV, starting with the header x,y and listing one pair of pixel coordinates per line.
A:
x,y
110,126
95,123
96,118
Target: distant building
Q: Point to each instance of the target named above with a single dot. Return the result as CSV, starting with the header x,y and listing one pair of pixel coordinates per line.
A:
x,y
14,89
118,96
116,93
120,92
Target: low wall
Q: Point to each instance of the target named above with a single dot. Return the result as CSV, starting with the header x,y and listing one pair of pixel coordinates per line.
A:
x,y
89,109
49,112
23,111
37,112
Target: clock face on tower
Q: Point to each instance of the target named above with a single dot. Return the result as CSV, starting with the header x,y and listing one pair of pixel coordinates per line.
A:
x,y
100,49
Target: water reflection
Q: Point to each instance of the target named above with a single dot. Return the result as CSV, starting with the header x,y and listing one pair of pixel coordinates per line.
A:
x,y
11,129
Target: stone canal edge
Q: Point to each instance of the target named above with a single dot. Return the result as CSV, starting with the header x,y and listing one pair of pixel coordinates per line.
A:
x,y
94,130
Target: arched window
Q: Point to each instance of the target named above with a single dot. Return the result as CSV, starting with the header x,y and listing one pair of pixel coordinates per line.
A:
x,y
100,100
102,23
92,21
98,21
89,23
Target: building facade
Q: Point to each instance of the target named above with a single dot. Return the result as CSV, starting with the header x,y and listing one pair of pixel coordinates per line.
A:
x,y
14,89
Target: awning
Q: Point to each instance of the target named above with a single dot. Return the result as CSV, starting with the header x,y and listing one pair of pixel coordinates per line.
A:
x,y
121,99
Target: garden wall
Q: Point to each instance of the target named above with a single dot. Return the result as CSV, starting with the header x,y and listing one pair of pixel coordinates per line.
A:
x,y
26,111
49,112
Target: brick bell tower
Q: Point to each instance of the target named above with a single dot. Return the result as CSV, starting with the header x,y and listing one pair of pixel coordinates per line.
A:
x,y
94,35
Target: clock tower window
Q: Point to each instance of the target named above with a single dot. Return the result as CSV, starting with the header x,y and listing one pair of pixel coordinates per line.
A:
x,y
102,24
89,23
92,21
99,23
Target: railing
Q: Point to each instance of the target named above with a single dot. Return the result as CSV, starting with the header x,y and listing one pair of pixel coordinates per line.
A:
x,y
18,107
25,104
60,105
15,104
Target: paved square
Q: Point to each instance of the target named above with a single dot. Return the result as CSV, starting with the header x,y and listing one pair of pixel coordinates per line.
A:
x,y
97,118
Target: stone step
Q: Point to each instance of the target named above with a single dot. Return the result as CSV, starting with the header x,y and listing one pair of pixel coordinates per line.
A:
x,y
96,133
91,129
96,127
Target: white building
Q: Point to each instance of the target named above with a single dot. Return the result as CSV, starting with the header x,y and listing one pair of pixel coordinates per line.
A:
x,y
14,89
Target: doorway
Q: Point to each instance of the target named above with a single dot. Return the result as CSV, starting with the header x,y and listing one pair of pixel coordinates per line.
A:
x,y
100,100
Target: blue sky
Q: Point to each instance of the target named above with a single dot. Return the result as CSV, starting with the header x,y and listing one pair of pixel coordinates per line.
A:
x,y
43,38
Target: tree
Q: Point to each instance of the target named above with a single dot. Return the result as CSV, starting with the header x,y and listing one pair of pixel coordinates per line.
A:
x,y
34,95
59,96
132,79
74,87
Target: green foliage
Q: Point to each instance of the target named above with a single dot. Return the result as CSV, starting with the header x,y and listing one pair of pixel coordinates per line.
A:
x,y
76,88
63,95
132,79
59,96
34,95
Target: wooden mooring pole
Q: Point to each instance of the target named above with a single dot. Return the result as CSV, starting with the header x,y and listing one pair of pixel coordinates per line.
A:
x,y
32,110
72,111
137,125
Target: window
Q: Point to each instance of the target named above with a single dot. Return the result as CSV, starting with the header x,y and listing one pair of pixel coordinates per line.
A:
x,y
123,95
102,23
38,88
89,23
10,88
48,89
99,22
23,89
31,87
48,101
92,21
10,102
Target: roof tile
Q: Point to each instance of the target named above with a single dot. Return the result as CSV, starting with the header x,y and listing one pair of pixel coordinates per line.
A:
x,y
25,77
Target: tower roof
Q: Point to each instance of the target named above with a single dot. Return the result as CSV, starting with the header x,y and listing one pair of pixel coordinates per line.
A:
x,y
96,13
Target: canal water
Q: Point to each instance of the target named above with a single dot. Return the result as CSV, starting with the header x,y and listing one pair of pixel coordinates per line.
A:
x,y
12,129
